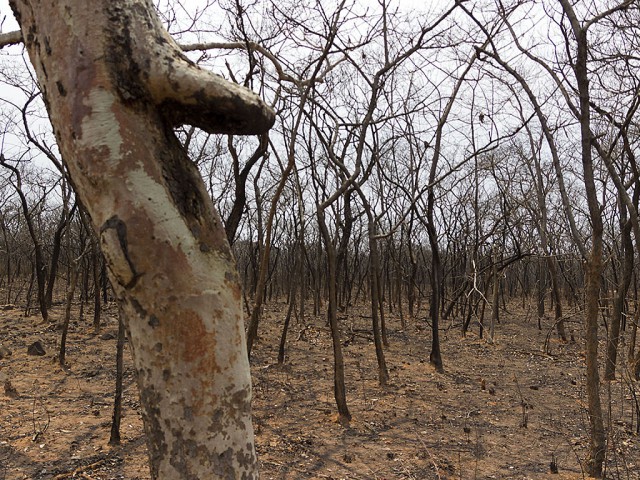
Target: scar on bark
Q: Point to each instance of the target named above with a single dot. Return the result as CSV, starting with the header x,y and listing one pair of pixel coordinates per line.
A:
x,y
114,234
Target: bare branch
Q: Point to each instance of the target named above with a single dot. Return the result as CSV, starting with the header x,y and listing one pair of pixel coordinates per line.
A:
x,y
10,38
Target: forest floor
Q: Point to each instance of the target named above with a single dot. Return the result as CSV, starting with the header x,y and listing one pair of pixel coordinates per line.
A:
x,y
499,411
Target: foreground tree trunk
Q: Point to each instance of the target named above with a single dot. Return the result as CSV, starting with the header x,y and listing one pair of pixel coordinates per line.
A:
x,y
115,85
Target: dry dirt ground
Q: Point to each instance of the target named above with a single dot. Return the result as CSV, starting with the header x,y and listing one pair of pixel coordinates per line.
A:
x,y
503,411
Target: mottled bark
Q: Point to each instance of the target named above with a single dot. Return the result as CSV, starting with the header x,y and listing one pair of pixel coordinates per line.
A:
x,y
115,84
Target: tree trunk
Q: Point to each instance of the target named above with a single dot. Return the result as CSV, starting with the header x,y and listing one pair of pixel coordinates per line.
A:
x,y
495,307
114,437
97,307
39,267
65,218
541,290
593,269
67,315
115,85
618,302
593,264
374,275
285,327
339,389
435,357
240,178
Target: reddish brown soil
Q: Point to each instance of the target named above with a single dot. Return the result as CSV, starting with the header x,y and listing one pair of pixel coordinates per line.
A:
x,y
464,424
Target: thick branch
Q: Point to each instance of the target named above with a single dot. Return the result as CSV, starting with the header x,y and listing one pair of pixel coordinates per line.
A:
x,y
10,38
184,91
187,93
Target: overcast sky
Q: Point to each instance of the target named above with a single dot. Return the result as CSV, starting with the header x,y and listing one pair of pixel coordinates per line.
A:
x,y
6,16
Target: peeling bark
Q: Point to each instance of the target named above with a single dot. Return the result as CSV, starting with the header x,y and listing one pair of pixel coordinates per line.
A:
x,y
115,84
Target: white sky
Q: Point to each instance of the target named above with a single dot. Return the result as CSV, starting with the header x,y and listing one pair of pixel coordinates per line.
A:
x,y
6,17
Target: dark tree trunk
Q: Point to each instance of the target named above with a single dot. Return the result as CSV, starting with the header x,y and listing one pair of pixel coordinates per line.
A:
x,y
339,388
114,438
613,337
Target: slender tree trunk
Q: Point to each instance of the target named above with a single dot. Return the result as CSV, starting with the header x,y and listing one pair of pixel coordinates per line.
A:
x,y
252,330
593,270
285,327
593,263
240,176
303,275
65,218
495,307
437,270
541,290
39,266
411,287
114,438
633,335
435,357
374,280
8,264
339,388
97,307
618,302
67,314
557,300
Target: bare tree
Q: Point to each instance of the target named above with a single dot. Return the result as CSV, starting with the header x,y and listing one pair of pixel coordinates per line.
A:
x,y
305,88
39,267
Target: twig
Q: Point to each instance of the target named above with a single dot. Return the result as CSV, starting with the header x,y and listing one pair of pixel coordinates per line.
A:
x,y
431,457
38,429
80,471
523,404
475,283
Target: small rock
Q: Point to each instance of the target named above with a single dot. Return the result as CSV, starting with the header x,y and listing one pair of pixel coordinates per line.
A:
x,y
108,336
36,349
4,352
